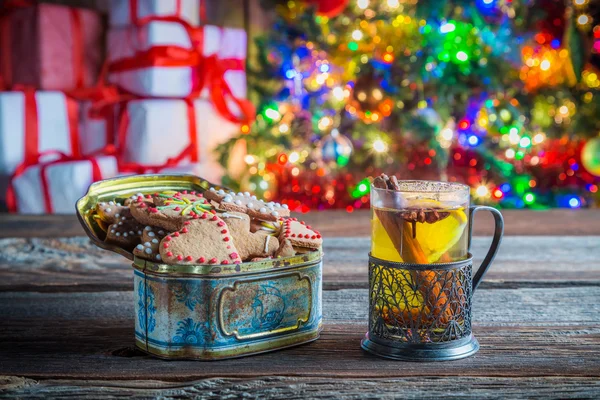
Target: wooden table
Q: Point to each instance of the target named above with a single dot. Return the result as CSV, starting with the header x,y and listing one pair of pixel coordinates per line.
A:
x,y
66,322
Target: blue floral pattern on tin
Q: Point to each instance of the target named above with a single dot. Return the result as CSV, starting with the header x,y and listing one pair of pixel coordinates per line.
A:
x,y
190,332
146,307
188,293
269,308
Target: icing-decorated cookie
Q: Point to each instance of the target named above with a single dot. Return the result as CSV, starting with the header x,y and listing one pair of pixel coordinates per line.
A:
x,y
170,209
300,234
111,212
250,245
285,249
272,228
148,247
200,241
246,203
126,232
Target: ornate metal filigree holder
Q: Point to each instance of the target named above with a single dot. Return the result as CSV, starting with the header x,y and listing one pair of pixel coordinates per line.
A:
x,y
422,312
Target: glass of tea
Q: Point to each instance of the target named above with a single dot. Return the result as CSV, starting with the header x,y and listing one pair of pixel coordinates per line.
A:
x,y
421,276
420,222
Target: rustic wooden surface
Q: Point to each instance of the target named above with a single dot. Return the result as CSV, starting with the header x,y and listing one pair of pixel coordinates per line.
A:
x,y
67,323
342,224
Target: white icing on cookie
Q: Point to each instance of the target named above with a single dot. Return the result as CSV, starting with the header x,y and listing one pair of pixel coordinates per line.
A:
x,y
267,244
227,215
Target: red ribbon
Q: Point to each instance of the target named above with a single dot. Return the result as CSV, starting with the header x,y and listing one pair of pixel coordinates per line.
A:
x,y
11,200
220,92
32,135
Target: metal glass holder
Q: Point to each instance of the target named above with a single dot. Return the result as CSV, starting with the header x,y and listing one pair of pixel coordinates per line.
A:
x,y
422,312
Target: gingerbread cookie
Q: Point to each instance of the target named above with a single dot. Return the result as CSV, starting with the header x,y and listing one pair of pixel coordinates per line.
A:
x,y
111,211
272,228
300,234
285,249
250,245
205,240
249,204
170,209
127,232
148,248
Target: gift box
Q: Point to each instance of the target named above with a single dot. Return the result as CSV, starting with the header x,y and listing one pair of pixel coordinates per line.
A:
x,y
33,122
50,47
96,128
194,130
170,59
132,12
54,187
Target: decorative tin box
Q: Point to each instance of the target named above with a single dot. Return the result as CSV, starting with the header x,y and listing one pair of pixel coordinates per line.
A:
x,y
211,312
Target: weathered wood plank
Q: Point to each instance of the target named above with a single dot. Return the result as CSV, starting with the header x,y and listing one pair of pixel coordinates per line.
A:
x,y
279,387
74,264
341,224
523,333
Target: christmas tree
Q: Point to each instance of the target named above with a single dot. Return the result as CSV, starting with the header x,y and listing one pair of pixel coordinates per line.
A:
x,y
499,94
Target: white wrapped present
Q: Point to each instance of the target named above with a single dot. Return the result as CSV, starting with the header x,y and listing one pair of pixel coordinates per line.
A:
x,y
169,133
32,122
54,187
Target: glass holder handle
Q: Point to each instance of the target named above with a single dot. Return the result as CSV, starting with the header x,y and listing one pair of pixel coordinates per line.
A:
x,y
491,254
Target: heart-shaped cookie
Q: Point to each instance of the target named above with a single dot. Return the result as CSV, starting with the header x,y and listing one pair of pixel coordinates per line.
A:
x,y
205,240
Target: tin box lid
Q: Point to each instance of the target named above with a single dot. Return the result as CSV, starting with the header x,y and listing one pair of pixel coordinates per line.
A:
x,y
126,186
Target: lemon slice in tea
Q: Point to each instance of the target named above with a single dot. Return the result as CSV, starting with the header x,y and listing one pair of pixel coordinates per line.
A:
x,y
437,238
